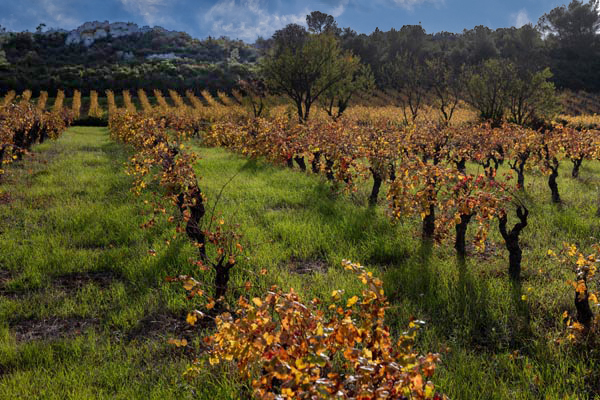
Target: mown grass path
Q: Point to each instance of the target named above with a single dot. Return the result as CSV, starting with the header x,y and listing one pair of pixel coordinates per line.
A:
x,y
85,311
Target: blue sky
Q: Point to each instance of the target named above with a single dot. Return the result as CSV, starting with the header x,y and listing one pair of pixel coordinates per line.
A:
x,y
247,19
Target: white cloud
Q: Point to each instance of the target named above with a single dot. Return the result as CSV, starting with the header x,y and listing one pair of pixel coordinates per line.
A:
x,y
247,19
55,14
521,18
410,4
149,10
339,9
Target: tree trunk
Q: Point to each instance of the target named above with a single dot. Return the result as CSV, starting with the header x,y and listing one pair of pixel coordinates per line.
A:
x,y
461,165
222,279
519,167
521,176
329,169
553,185
193,227
301,163
576,165
392,172
511,240
429,224
377,180
460,244
585,315
315,162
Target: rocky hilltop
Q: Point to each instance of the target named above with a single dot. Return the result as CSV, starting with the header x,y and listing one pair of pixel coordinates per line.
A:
x,y
89,32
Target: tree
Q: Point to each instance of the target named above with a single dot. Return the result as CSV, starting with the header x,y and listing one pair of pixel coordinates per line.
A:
x,y
532,97
487,89
292,38
575,26
319,22
572,35
336,99
304,66
447,84
406,75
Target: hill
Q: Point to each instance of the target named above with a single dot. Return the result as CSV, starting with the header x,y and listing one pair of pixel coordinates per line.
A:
x,y
103,55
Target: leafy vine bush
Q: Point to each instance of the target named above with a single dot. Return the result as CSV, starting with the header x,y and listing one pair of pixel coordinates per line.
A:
x,y
160,159
291,349
23,124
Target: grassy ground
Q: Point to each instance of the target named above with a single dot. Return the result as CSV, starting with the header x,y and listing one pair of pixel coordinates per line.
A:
x,y
85,311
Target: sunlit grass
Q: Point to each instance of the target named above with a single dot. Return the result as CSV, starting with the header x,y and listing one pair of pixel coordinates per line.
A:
x,y
71,249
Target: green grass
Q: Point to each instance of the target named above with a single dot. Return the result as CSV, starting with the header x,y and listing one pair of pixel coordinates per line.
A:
x,y
85,311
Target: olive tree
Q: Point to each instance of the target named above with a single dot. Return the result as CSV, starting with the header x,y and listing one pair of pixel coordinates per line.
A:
x,y
304,66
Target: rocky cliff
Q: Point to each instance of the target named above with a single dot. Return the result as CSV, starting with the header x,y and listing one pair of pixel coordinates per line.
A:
x,y
89,32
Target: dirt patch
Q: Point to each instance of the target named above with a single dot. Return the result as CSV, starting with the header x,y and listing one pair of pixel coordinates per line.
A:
x,y
307,266
5,277
166,325
5,198
76,280
491,250
51,328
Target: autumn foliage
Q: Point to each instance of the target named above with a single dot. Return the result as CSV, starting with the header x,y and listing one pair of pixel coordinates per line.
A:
x,y
23,124
338,348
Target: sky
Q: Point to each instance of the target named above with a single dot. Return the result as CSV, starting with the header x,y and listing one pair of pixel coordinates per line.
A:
x,y
248,19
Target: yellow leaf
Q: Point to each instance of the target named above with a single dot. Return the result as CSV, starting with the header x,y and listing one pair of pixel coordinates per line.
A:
x,y
352,301
257,302
191,319
189,284
177,342
300,364
320,329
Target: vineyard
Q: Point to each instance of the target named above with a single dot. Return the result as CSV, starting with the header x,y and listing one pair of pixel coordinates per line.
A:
x,y
174,245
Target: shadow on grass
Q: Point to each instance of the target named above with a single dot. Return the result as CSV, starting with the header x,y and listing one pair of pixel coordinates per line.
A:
x,y
353,226
255,165
454,302
520,322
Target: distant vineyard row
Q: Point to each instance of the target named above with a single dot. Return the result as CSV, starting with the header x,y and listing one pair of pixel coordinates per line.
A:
x,y
580,109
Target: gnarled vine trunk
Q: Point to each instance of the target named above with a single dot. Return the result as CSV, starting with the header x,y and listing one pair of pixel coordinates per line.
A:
x,y
301,163
511,240
377,181
460,243
315,162
552,181
576,165
429,224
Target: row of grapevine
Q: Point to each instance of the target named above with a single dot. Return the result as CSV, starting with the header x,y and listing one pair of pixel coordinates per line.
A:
x,y
425,170
23,124
282,330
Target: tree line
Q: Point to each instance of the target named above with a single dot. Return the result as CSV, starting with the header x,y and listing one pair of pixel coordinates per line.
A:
x,y
507,74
